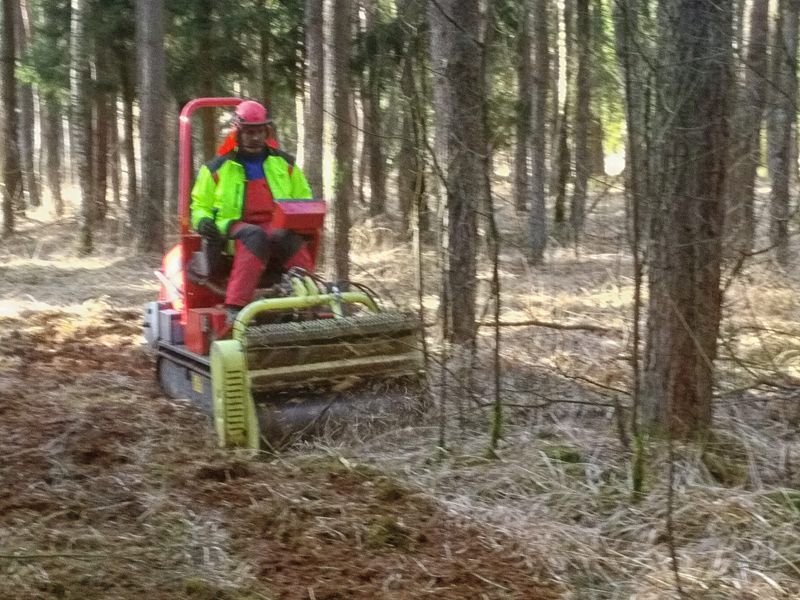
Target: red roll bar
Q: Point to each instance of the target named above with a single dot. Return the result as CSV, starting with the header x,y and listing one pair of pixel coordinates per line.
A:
x,y
184,151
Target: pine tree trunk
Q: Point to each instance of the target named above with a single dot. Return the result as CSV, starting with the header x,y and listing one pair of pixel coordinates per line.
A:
x,y
773,129
128,143
466,160
784,117
633,49
556,25
440,50
100,170
265,68
208,116
522,185
315,96
114,154
171,161
561,173
541,84
53,135
410,158
343,141
740,215
359,118
407,164
298,85
152,84
12,177
596,152
600,41
582,118
738,25
27,113
373,141
561,158
81,118
685,296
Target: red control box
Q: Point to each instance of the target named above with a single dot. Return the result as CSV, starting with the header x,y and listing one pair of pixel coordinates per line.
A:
x,y
203,326
302,216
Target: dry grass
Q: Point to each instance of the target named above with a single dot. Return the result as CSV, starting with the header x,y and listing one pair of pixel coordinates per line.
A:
x,y
564,488
562,481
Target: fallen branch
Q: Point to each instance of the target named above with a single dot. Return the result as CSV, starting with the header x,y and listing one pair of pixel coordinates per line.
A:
x,y
547,401
549,325
78,556
596,384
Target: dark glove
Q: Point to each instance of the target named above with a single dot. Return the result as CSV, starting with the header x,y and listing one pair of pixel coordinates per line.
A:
x,y
208,230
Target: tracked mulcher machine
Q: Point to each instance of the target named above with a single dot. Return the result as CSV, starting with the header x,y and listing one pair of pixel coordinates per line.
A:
x,y
306,356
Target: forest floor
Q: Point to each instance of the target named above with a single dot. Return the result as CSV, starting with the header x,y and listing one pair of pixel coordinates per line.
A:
x,y
110,490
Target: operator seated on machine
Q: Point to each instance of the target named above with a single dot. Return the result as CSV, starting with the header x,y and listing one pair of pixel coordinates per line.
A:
x,y
232,199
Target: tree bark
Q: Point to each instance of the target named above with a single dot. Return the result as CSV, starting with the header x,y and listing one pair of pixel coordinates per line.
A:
x,y
114,154
439,49
52,125
738,26
541,83
100,145
740,215
561,157
27,113
343,150
458,23
81,118
773,133
265,74
523,116
208,116
12,177
373,119
583,84
602,38
128,144
54,144
152,94
685,296
561,171
784,116
172,149
359,118
407,165
633,51
410,158
315,96
596,151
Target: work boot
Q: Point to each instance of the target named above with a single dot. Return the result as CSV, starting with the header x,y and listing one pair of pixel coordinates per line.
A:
x,y
231,313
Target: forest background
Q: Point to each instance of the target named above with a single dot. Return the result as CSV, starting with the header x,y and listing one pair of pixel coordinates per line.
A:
x,y
512,146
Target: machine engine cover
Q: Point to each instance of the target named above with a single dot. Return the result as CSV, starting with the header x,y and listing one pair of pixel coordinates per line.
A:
x,y
150,327
170,329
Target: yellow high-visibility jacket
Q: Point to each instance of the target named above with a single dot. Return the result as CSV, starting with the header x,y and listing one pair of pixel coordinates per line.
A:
x,y
219,192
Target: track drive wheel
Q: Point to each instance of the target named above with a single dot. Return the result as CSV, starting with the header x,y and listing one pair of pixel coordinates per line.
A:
x,y
234,412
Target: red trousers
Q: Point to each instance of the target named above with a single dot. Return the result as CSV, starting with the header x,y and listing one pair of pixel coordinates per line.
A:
x,y
261,248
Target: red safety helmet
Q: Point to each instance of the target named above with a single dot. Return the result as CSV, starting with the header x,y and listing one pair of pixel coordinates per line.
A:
x,y
250,112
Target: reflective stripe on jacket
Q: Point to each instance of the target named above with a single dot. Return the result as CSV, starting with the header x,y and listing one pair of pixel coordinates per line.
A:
x,y
219,191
